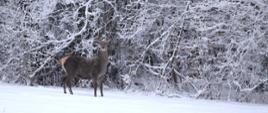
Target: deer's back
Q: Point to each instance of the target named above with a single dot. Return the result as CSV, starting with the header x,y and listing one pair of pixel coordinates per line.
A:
x,y
78,66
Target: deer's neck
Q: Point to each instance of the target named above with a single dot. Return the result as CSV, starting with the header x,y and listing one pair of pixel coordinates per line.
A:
x,y
102,58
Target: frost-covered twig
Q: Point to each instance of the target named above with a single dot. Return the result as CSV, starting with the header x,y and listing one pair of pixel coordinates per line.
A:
x,y
69,40
254,87
171,59
40,68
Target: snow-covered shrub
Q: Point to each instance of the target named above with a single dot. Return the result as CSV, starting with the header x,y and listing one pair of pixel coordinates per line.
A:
x,y
202,48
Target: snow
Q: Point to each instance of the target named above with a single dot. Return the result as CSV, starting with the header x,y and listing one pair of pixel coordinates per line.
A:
x,y
24,99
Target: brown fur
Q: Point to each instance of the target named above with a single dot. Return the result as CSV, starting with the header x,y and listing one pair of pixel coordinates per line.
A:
x,y
86,68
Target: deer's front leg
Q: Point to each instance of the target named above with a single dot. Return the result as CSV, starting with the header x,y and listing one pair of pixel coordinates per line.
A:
x,y
95,85
101,89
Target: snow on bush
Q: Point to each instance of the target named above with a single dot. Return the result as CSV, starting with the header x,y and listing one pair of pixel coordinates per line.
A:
x,y
205,49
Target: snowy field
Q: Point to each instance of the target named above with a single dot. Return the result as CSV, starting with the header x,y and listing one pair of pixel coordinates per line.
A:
x,y
23,99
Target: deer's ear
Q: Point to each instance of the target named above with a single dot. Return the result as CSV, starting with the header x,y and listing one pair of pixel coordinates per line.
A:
x,y
97,40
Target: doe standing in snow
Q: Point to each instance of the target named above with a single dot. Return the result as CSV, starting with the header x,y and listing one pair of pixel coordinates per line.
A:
x,y
93,68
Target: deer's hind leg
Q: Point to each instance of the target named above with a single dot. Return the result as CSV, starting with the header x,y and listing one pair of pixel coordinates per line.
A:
x,y
67,80
64,84
69,83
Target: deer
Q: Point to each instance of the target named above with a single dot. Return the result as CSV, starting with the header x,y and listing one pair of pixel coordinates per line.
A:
x,y
93,68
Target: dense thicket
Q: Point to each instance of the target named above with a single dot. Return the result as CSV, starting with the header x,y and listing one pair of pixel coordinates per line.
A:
x,y
213,49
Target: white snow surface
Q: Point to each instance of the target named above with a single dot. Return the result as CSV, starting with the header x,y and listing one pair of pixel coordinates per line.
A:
x,y
25,99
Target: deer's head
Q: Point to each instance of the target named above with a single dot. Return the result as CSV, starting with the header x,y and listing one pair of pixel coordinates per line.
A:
x,y
102,44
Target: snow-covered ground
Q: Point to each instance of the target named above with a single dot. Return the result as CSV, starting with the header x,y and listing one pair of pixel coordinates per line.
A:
x,y
23,99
